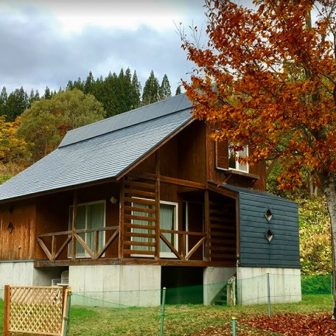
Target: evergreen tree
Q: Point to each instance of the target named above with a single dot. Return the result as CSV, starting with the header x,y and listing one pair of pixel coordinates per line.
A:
x,y
47,93
107,94
178,90
136,91
70,85
77,84
17,102
34,96
165,90
3,101
89,83
151,92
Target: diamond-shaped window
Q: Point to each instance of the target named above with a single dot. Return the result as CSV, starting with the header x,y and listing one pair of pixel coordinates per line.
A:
x,y
269,236
268,215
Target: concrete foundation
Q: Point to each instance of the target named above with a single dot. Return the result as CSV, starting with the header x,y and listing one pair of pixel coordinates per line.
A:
x,y
214,279
23,273
139,285
115,285
252,285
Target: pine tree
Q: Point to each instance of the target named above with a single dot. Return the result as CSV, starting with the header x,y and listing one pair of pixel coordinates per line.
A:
x,y
151,92
89,83
17,102
136,91
165,90
34,96
178,90
3,101
47,93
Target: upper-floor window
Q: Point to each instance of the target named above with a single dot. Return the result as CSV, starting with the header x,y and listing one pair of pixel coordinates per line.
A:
x,y
228,158
234,159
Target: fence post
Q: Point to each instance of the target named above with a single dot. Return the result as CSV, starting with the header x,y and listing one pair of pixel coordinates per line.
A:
x,y
269,304
6,310
66,317
162,310
234,326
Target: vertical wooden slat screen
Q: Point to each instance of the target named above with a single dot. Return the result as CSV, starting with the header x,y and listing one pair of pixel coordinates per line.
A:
x,y
140,217
221,150
222,229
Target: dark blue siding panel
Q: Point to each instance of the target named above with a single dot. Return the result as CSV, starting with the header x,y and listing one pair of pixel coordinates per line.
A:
x,y
255,250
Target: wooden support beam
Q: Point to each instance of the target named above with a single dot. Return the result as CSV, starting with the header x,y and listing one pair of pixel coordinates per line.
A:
x,y
53,247
195,248
207,224
73,225
173,180
121,220
84,245
6,310
109,242
157,204
172,248
45,248
62,247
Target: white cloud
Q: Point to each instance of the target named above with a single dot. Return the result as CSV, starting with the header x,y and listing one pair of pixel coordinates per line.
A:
x,y
48,42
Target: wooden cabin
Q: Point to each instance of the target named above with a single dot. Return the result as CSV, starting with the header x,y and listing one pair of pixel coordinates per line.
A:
x,y
142,200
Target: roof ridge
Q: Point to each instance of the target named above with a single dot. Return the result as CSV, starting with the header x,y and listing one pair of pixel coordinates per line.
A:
x,y
133,117
118,129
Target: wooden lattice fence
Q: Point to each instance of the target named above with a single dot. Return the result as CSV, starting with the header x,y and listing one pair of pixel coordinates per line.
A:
x,y
36,310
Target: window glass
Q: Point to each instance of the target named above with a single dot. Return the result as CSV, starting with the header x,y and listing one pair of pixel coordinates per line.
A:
x,y
89,216
167,222
95,219
234,156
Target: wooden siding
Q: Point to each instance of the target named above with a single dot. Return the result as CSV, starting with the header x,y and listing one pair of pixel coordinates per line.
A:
x,y
183,157
20,243
255,250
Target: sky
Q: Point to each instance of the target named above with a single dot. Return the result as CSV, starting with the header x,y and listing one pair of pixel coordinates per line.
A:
x,y
48,42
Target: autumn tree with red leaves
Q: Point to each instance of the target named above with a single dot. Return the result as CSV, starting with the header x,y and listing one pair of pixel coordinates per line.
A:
x,y
267,79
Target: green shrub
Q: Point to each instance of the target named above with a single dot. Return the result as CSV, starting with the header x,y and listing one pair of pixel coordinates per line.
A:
x,y
316,284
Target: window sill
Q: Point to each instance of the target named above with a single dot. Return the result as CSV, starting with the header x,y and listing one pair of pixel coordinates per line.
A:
x,y
238,173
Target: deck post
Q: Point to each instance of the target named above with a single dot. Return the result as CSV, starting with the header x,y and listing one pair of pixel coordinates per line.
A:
x,y
157,205
207,225
121,220
73,225
6,310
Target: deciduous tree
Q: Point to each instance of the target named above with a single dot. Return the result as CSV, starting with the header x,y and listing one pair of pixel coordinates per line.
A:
x,y
44,124
245,86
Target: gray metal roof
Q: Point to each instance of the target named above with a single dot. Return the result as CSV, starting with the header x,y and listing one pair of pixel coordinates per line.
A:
x,y
241,190
127,119
101,150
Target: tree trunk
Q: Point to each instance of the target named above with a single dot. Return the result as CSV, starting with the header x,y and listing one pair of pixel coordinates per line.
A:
x,y
329,189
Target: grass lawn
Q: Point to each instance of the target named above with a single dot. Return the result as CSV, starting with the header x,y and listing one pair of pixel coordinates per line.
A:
x,y
180,320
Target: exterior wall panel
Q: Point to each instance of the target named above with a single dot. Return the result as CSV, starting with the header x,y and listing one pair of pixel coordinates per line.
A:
x,y
255,250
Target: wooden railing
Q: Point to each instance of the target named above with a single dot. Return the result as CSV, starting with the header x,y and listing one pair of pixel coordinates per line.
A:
x,y
181,251
54,249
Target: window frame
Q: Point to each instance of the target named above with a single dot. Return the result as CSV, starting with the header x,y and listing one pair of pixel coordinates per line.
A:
x,y
238,165
86,255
